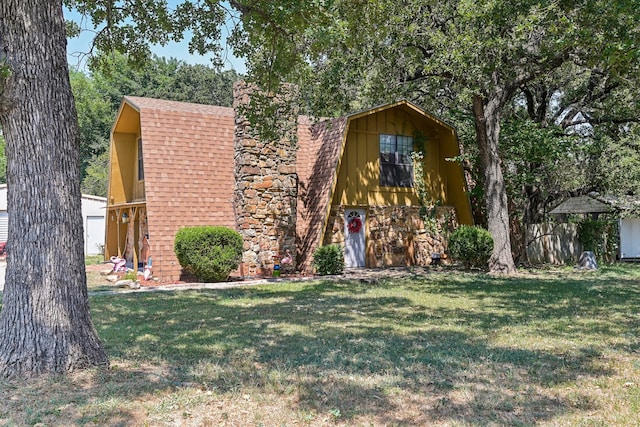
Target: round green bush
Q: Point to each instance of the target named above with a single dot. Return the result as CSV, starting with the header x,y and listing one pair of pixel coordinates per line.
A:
x,y
328,259
471,245
209,253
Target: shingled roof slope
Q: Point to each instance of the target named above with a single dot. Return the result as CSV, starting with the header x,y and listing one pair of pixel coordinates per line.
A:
x,y
581,205
318,158
188,170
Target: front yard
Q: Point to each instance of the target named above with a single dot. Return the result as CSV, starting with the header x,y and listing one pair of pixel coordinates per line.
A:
x,y
554,347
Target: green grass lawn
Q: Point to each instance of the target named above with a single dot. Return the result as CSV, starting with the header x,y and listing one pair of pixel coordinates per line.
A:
x,y
547,347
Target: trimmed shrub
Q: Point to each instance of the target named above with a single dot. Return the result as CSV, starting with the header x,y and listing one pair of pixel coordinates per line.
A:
x,y
328,260
209,253
471,245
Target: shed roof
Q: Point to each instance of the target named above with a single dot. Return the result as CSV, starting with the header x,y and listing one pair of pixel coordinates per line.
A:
x,y
626,203
581,205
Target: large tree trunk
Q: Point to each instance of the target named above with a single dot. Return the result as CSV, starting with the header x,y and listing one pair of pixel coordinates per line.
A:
x,y
45,324
487,121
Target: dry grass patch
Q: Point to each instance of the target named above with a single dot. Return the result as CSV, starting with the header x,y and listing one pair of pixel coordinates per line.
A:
x,y
445,348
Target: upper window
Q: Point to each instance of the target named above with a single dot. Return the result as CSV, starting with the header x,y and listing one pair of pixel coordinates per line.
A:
x,y
396,167
140,161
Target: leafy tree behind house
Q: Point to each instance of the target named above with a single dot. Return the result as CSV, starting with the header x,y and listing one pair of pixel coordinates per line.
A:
x,y
95,117
618,161
476,55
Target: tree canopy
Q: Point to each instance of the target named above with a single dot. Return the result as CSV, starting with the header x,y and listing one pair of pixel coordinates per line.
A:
x,y
485,58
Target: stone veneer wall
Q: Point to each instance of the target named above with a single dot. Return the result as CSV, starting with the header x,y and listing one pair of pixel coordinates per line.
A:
x,y
396,235
266,187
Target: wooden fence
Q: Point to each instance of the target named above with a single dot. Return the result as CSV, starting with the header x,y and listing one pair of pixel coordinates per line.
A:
x,y
553,243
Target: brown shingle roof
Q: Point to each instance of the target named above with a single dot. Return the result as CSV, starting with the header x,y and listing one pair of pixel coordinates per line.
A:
x,y
188,168
318,156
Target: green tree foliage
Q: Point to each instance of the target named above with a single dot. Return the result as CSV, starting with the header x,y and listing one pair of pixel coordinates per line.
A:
x,y
96,176
95,118
475,55
541,159
585,110
618,162
132,26
159,77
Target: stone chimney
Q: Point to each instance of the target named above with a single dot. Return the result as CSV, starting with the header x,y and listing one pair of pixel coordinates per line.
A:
x,y
266,182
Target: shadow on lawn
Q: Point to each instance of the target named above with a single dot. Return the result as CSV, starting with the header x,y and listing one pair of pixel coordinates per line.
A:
x,y
341,349
566,306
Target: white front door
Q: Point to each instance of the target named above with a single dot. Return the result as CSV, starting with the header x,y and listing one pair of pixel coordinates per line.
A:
x,y
354,242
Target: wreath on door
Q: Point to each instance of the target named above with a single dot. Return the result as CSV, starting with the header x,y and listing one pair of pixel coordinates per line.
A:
x,y
354,225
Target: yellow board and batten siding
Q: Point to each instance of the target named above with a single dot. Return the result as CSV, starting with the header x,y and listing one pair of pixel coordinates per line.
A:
x,y
124,187
123,151
359,175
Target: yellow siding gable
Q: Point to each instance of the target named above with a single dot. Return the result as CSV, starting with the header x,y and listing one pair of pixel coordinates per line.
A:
x,y
358,182
124,185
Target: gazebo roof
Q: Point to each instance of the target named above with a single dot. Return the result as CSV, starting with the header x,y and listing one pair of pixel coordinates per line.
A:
x,y
581,205
598,203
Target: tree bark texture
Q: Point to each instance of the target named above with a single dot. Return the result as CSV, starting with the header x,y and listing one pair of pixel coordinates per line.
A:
x,y
45,323
487,120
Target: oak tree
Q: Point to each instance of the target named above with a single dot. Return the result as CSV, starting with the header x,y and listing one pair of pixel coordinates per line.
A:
x,y
45,323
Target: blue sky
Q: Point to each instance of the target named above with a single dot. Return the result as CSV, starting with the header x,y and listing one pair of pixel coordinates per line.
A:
x,y
77,47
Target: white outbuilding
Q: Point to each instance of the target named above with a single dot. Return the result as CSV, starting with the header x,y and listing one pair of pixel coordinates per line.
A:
x,y
93,217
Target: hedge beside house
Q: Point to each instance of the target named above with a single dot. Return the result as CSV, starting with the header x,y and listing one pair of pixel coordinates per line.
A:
x,y
210,253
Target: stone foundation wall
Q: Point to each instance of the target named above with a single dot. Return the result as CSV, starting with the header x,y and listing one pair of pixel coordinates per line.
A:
x,y
266,189
396,235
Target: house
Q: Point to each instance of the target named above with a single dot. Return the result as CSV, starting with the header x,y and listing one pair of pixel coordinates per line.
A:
x,y
346,180
93,219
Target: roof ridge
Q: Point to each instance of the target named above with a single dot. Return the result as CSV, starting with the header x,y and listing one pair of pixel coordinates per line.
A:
x,y
146,103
